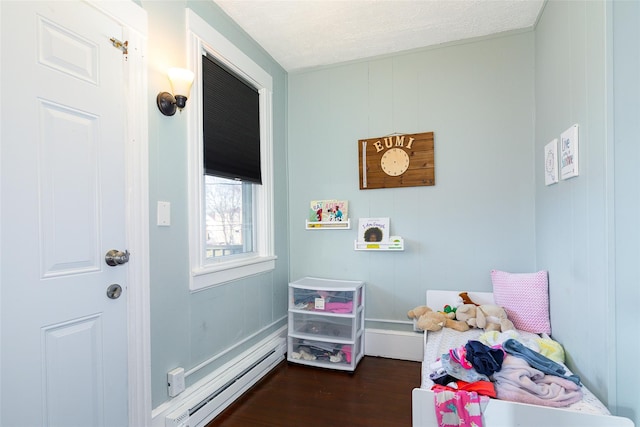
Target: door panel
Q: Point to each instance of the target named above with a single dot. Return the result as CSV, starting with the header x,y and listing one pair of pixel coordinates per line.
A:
x,y
66,51
69,190
74,346
64,342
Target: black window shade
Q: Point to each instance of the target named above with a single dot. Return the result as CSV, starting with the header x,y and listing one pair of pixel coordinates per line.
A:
x,y
231,120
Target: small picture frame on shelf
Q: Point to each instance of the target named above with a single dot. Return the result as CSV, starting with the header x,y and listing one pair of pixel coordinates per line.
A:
x,y
374,234
328,210
373,230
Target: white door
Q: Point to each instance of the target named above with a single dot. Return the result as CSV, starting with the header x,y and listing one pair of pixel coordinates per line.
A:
x,y
64,341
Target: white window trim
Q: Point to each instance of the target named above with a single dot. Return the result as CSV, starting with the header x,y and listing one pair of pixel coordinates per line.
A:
x,y
201,37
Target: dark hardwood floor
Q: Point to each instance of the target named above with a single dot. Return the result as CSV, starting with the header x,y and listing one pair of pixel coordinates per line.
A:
x,y
378,393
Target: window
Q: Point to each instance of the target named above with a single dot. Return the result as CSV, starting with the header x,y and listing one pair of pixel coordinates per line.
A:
x,y
230,209
228,217
231,159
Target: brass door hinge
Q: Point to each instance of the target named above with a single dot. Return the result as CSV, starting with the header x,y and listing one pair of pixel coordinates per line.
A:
x,y
120,45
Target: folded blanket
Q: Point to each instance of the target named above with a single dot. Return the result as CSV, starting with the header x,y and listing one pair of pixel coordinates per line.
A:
x,y
517,381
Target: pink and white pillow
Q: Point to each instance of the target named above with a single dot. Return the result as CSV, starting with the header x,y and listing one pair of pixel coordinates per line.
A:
x,y
525,298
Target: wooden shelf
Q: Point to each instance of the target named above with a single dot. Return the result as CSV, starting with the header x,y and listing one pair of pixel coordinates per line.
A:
x,y
328,225
396,243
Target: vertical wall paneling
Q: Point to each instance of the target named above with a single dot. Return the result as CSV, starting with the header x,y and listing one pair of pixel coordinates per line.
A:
x,y
477,98
572,217
626,96
200,331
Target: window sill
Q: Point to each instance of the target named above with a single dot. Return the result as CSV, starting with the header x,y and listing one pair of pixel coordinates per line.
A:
x,y
214,275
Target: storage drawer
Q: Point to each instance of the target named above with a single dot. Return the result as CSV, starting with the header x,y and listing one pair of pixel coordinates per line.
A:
x,y
326,323
330,296
324,353
323,327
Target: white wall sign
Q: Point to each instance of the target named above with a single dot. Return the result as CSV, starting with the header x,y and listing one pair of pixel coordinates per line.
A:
x,y
551,162
569,152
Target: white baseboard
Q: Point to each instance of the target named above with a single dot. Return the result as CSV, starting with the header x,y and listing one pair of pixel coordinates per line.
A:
x,y
394,344
378,342
219,389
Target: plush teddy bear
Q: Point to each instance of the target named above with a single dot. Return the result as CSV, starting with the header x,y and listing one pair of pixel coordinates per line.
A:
x,y
493,318
429,320
467,313
487,316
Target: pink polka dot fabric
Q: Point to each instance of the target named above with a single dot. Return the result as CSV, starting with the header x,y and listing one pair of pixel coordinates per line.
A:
x,y
525,298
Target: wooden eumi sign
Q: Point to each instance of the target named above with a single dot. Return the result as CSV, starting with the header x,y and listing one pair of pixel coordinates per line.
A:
x,y
401,160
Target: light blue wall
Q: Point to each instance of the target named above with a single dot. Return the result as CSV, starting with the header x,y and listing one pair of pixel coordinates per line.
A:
x,y
572,217
492,104
187,328
587,227
626,92
477,98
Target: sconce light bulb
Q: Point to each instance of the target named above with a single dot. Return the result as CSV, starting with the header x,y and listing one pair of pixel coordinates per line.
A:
x,y
181,81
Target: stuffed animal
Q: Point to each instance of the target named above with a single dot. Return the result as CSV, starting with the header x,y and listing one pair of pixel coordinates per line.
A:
x,y
429,320
487,316
467,313
493,318
466,299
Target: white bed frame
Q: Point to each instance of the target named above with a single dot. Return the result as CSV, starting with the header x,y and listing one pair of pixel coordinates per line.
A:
x,y
501,413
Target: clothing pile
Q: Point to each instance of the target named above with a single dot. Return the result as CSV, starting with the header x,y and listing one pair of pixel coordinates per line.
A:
x,y
466,377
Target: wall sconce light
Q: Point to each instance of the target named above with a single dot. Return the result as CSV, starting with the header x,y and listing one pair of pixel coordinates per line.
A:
x,y
181,81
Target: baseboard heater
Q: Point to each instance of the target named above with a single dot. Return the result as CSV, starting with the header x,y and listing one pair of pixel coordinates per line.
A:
x,y
233,382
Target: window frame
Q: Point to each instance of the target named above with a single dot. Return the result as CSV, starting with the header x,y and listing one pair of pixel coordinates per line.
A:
x,y
201,38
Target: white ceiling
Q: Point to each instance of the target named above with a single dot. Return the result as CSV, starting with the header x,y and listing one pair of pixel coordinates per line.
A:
x,y
302,34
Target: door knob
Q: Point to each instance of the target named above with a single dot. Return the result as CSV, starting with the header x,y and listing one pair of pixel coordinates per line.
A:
x,y
114,291
115,257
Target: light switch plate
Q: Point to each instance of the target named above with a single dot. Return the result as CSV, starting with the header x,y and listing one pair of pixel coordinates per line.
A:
x,y
164,214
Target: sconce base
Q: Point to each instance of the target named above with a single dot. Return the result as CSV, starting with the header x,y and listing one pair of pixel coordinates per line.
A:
x,y
166,103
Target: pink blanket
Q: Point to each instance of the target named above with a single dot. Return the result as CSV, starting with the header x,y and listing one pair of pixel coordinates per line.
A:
x,y
519,382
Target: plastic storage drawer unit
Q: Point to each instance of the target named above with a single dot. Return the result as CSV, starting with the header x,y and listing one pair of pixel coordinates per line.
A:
x,y
326,323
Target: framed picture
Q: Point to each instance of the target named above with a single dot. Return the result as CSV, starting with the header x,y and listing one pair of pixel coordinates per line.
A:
x,y
328,210
373,230
569,152
551,162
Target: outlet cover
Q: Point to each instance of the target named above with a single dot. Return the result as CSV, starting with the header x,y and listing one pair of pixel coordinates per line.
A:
x,y
175,381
